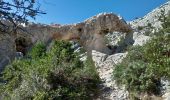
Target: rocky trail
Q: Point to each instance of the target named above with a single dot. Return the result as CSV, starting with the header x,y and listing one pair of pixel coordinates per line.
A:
x,y
105,65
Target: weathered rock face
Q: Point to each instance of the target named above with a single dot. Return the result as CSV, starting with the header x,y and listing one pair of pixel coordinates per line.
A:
x,y
140,39
7,49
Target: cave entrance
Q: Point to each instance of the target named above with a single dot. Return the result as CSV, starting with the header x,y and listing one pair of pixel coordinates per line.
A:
x,y
21,45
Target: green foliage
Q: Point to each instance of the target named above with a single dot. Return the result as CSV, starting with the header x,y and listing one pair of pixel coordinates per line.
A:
x,y
38,50
144,66
47,75
147,33
140,28
166,22
149,25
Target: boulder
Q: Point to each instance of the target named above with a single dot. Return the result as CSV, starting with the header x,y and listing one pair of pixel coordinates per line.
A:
x,y
165,89
140,39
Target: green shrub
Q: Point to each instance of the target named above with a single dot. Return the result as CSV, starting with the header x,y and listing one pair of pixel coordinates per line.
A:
x,y
54,74
38,50
140,28
149,25
144,66
165,22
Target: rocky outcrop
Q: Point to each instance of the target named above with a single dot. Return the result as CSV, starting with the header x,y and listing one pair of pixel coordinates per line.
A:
x,y
7,50
140,39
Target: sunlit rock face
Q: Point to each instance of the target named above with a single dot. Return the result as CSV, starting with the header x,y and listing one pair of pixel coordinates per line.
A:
x,y
7,49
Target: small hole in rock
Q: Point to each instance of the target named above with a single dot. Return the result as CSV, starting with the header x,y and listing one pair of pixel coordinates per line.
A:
x,y
79,29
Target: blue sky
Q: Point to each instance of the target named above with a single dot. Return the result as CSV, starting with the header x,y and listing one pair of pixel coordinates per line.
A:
x,y
73,11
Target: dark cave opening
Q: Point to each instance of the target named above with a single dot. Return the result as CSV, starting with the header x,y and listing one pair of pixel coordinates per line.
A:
x,y
79,29
21,45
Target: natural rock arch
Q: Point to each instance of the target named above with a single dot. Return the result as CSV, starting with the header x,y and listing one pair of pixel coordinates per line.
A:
x,y
91,32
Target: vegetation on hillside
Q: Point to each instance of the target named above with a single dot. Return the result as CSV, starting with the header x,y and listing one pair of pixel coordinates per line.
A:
x,y
53,74
144,67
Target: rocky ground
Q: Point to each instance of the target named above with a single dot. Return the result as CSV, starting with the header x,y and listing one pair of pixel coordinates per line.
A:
x,y
105,66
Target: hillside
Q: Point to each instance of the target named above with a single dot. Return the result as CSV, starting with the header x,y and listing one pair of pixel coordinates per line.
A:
x,y
144,29
101,58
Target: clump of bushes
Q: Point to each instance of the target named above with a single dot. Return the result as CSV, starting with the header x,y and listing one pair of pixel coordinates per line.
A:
x,y
141,71
140,28
144,66
54,74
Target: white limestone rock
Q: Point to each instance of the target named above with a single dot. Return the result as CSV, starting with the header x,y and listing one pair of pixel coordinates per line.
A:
x,y
141,40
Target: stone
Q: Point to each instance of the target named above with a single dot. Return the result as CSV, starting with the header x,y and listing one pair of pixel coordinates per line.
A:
x,y
166,96
141,40
98,57
165,89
